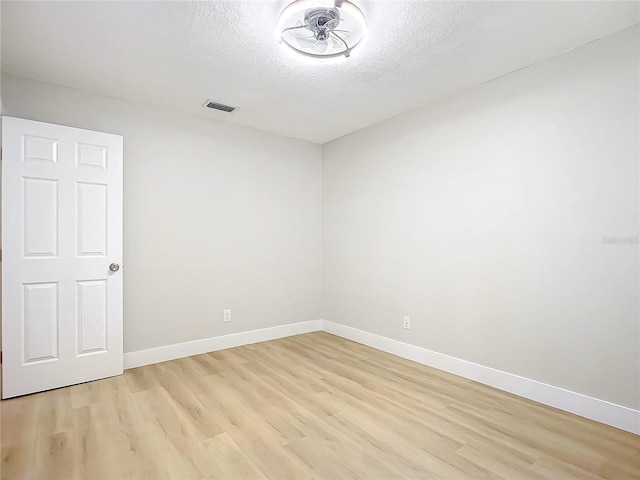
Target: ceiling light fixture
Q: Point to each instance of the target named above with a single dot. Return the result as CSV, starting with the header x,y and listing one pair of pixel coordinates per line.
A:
x,y
322,28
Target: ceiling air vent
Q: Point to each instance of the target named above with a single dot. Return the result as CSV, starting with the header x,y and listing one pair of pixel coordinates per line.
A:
x,y
219,106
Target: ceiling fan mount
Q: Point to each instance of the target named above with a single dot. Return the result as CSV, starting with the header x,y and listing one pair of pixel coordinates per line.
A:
x,y
321,21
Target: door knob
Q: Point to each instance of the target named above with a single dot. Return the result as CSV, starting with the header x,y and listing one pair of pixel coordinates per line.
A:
x,y
114,267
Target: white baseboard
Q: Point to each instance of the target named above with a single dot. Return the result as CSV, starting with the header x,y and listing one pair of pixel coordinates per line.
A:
x,y
599,410
196,347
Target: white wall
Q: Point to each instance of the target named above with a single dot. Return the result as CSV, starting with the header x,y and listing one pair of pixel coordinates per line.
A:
x,y
215,216
482,217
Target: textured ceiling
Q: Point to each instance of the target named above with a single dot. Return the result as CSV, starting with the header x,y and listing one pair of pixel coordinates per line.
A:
x,y
178,54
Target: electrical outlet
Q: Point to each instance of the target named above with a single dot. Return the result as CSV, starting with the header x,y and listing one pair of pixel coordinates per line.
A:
x,y
406,323
227,315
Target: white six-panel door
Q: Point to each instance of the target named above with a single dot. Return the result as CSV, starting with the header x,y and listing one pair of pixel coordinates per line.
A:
x,y
61,232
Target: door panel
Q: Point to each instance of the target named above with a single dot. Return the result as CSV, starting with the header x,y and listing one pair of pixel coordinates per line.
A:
x,y
40,217
92,219
40,321
92,156
92,316
39,149
62,228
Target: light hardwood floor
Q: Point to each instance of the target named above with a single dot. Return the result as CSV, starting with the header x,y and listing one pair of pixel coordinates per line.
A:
x,y
309,406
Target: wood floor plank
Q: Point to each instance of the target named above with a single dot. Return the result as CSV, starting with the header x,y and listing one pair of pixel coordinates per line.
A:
x,y
312,406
